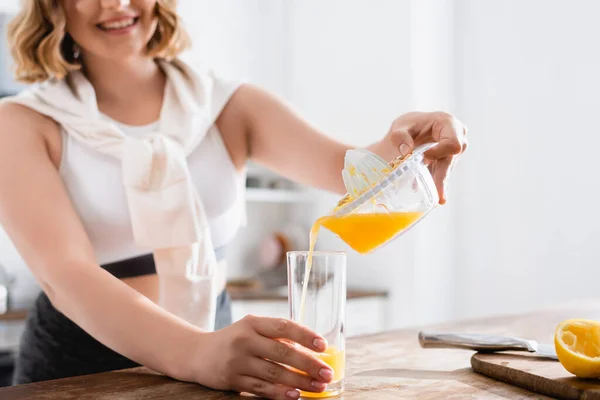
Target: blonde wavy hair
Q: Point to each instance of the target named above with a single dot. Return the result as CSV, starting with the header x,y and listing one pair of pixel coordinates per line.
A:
x,y
42,49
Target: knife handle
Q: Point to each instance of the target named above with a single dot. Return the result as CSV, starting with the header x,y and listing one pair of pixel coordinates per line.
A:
x,y
477,342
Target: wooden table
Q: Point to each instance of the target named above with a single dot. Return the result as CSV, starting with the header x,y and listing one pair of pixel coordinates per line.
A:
x,y
384,366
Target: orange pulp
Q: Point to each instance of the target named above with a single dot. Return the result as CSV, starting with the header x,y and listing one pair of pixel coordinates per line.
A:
x,y
335,358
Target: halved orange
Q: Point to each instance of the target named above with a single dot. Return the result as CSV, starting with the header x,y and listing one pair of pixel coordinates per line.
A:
x,y
577,343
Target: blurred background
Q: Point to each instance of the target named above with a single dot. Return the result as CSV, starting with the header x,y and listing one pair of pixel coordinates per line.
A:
x,y
520,229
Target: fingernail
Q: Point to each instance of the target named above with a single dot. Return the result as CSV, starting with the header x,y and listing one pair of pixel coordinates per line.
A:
x,y
415,185
293,394
404,149
445,190
318,385
326,373
320,344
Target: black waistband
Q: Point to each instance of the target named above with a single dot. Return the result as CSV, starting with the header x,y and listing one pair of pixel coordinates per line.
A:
x,y
137,266
142,265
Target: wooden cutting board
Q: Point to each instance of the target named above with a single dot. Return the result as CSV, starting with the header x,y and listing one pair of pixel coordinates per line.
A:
x,y
537,374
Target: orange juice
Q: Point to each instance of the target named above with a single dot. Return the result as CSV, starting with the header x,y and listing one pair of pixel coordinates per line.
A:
x,y
335,358
364,232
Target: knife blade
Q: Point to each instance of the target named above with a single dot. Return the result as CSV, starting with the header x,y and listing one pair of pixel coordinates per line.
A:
x,y
484,343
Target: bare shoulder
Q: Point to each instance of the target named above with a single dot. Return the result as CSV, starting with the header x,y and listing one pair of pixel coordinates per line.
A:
x,y
23,128
25,119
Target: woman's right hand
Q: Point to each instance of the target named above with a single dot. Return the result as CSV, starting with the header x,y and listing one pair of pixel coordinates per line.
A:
x,y
244,357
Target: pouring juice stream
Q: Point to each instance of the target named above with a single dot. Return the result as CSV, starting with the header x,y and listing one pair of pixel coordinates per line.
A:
x,y
375,220
362,232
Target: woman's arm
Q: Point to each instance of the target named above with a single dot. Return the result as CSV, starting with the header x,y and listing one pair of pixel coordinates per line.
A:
x,y
38,216
279,139
274,136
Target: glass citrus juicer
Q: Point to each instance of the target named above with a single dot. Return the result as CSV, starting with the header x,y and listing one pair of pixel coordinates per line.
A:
x,y
384,200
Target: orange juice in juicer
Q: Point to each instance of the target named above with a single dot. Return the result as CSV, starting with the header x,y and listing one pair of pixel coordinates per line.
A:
x,y
384,200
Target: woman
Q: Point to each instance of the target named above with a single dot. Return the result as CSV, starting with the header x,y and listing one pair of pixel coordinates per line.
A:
x,y
64,206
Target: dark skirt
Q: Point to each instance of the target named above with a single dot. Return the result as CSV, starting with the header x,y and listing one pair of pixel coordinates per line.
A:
x,y
53,346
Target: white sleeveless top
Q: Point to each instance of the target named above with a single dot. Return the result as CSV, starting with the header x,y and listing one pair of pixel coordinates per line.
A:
x,y
93,181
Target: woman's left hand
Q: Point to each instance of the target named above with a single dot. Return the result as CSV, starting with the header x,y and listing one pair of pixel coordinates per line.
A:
x,y
416,128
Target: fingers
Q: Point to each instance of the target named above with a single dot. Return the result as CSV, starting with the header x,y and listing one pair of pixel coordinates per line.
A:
x,y
275,373
465,144
273,365
415,129
450,137
402,140
288,354
448,144
266,389
440,172
280,328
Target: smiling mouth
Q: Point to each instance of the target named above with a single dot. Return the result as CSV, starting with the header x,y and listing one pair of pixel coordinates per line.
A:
x,y
118,25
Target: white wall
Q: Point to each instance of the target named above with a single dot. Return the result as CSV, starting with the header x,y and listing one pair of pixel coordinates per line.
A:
x,y
244,39
351,76
350,66
523,76
519,231
9,6
7,83
432,59
528,85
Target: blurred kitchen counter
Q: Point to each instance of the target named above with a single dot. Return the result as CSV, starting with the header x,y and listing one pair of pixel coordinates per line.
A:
x,y
366,310
280,293
16,315
12,325
245,300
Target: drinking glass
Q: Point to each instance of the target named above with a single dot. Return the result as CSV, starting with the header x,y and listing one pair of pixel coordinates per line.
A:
x,y
321,308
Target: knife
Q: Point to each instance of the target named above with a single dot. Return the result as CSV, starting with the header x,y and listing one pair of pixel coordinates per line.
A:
x,y
484,343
